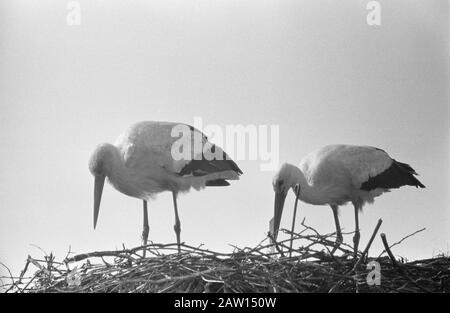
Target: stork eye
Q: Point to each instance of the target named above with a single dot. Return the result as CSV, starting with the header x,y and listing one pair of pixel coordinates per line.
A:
x,y
280,183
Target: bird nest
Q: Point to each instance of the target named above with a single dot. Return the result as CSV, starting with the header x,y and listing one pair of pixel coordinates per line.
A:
x,y
303,263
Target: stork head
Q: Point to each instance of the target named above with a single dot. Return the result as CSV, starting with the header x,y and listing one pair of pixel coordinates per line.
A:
x,y
285,179
102,159
100,165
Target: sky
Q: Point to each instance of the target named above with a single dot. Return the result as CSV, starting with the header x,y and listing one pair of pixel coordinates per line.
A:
x,y
314,68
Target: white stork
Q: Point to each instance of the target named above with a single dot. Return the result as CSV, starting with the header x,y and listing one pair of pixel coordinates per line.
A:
x,y
140,164
337,174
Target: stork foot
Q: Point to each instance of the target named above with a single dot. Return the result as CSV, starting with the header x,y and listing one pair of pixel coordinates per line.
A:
x,y
339,240
177,229
145,232
356,243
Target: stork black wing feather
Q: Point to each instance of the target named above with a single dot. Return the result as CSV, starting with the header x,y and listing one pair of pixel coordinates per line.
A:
x,y
203,167
217,183
397,175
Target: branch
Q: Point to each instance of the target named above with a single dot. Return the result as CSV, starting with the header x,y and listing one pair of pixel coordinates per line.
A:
x,y
397,266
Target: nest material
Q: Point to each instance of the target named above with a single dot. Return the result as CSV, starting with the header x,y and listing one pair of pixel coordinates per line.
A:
x,y
304,264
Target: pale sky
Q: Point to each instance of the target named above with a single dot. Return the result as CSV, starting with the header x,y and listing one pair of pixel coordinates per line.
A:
x,y
315,68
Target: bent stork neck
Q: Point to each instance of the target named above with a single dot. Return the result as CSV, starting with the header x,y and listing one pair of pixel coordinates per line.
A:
x,y
120,176
308,193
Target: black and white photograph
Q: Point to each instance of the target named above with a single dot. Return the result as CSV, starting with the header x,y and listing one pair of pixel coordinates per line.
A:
x,y
226,152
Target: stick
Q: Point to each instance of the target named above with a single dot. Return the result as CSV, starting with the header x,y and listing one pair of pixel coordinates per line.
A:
x,y
11,277
297,194
366,250
275,244
401,240
397,266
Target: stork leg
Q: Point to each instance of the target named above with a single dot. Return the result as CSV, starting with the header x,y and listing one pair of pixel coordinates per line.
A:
x,y
146,228
177,226
357,235
339,238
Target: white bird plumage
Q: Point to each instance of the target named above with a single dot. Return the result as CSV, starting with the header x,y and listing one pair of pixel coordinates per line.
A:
x,y
140,164
337,174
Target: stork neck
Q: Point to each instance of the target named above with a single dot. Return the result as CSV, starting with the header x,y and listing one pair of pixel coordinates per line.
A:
x,y
116,167
308,193
120,176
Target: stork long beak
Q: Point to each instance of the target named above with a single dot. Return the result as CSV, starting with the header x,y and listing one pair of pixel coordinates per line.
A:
x,y
280,197
98,189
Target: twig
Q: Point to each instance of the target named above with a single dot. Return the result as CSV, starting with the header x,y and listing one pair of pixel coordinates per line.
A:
x,y
366,250
396,265
297,195
10,277
275,244
401,240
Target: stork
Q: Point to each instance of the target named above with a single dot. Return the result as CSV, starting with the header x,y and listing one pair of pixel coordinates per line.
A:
x,y
141,164
337,174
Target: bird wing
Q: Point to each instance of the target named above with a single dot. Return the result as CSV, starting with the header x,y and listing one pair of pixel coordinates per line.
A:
x,y
345,164
154,141
364,167
396,175
146,144
211,159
